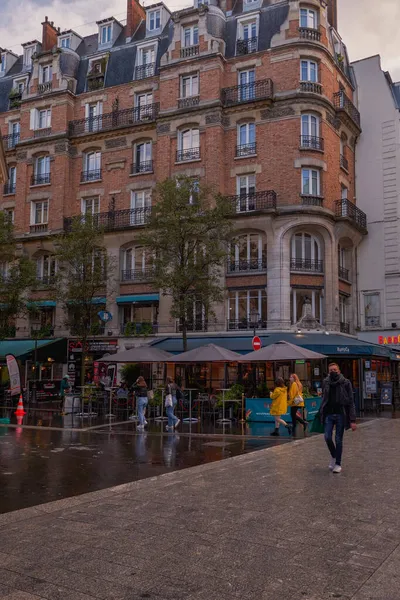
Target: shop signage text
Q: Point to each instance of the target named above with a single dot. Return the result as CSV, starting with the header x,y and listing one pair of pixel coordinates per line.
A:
x,y
342,349
391,339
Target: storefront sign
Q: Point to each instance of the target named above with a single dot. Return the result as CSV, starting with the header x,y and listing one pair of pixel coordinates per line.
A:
x,y
75,346
343,350
13,371
387,394
370,382
393,340
105,316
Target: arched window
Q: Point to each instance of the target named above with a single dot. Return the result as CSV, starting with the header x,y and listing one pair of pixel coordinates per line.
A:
x,y
306,253
246,139
310,132
249,253
135,264
142,157
91,166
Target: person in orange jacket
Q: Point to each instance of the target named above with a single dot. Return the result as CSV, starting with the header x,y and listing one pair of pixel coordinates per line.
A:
x,y
279,405
296,402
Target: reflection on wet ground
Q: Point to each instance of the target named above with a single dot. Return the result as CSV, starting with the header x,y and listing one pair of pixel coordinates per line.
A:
x,y
40,465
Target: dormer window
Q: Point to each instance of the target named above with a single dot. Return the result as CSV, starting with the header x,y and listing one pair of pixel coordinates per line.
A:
x,y
154,20
2,63
105,34
46,74
28,53
190,36
65,42
308,18
247,36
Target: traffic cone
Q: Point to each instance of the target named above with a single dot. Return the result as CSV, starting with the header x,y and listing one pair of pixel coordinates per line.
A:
x,y
20,408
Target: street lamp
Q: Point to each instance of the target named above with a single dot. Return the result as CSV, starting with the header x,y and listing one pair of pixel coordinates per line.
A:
x,y
254,318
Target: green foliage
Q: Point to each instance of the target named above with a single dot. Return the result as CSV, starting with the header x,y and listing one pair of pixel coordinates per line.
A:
x,y
234,393
129,373
262,391
187,235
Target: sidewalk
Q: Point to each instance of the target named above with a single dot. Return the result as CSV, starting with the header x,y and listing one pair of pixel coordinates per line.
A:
x,y
271,525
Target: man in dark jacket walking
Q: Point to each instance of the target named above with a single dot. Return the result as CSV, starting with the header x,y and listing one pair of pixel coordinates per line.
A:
x,y
337,410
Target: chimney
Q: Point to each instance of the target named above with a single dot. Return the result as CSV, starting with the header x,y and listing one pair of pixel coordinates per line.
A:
x,y
332,13
49,35
135,13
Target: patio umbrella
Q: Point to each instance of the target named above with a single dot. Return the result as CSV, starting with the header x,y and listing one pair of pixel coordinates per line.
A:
x,y
141,354
207,353
281,351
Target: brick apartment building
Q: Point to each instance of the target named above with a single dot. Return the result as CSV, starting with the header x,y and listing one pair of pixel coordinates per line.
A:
x,y
254,97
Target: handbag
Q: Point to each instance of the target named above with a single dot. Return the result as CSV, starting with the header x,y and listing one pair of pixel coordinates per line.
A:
x,y
150,395
298,400
168,400
317,426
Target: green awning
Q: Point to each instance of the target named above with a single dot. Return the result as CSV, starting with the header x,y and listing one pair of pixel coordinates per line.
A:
x,y
42,303
23,348
138,298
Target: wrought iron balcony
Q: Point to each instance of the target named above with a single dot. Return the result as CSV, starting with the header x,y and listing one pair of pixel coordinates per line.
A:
x,y
193,325
144,71
38,228
245,203
40,179
11,140
188,155
95,82
134,328
92,175
311,200
372,321
247,92
250,265
188,102
114,120
9,188
346,209
307,264
43,88
137,274
344,273
345,327
245,324
115,220
246,150
146,166
344,163
344,105
310,142
40,133
189,51
309,33
311,86
246,46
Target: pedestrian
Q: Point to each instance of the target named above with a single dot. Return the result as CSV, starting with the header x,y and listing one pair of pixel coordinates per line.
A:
x,y
337,410
279,405
171,390
296,402
65,388
140,389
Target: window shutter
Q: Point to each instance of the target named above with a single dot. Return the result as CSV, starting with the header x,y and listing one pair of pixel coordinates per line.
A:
x,y
49,118
99,107
47,164
87,108
32,124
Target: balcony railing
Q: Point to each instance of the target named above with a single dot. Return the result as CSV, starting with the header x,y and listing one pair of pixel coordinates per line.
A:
x,y
9,188
114,120
344,163
344,273
43,88
144,71
247,92
345,327
146,166
193,325
372,321
188,102
254,201
40,133
311,200
92,175
10,140
95,82
246,149
39,228
46,280
343,103
114,220
246,266
345,208
247,46
40,179
190,51
133,328
308,33
245,324
188,155
307,264
137,274
311,142
311,86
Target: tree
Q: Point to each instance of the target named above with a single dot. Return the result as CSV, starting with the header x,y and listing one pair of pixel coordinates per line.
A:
x,y
187,237
83,270
17,275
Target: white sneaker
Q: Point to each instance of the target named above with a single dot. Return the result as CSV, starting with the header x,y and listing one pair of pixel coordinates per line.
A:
x,y
332,464
177,423
337,469
140,427
145,423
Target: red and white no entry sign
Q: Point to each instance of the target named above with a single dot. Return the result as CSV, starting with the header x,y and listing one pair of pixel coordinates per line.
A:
x,y
256,343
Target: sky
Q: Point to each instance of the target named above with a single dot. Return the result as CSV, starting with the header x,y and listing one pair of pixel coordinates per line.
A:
x,y
365,30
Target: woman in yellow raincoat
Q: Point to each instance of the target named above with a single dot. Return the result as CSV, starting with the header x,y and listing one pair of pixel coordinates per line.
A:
x,y
279,405
296,402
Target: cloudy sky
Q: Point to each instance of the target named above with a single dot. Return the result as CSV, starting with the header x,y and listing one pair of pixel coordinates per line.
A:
x,y
365,30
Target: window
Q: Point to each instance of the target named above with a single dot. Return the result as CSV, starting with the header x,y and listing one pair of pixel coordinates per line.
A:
x,y
249,30
249,253
241,304
189,86
308,18
306,253
300,299
190,36
247,87
143,158
19,86
2,64
46,74
246,189
310,137
310,182
10,214
44,118
343,311
65,42
309,71
246,139
93,112
46,268
42,170
135,263
194,191
91,206
140,207
144,99
188,145
92,164
247,37
147,56
28,53
105,34
12,180
154,20
39,212
344,193
372,309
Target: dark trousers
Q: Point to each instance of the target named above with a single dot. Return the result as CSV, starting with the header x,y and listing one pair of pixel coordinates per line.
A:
x,y
337,421
295,417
